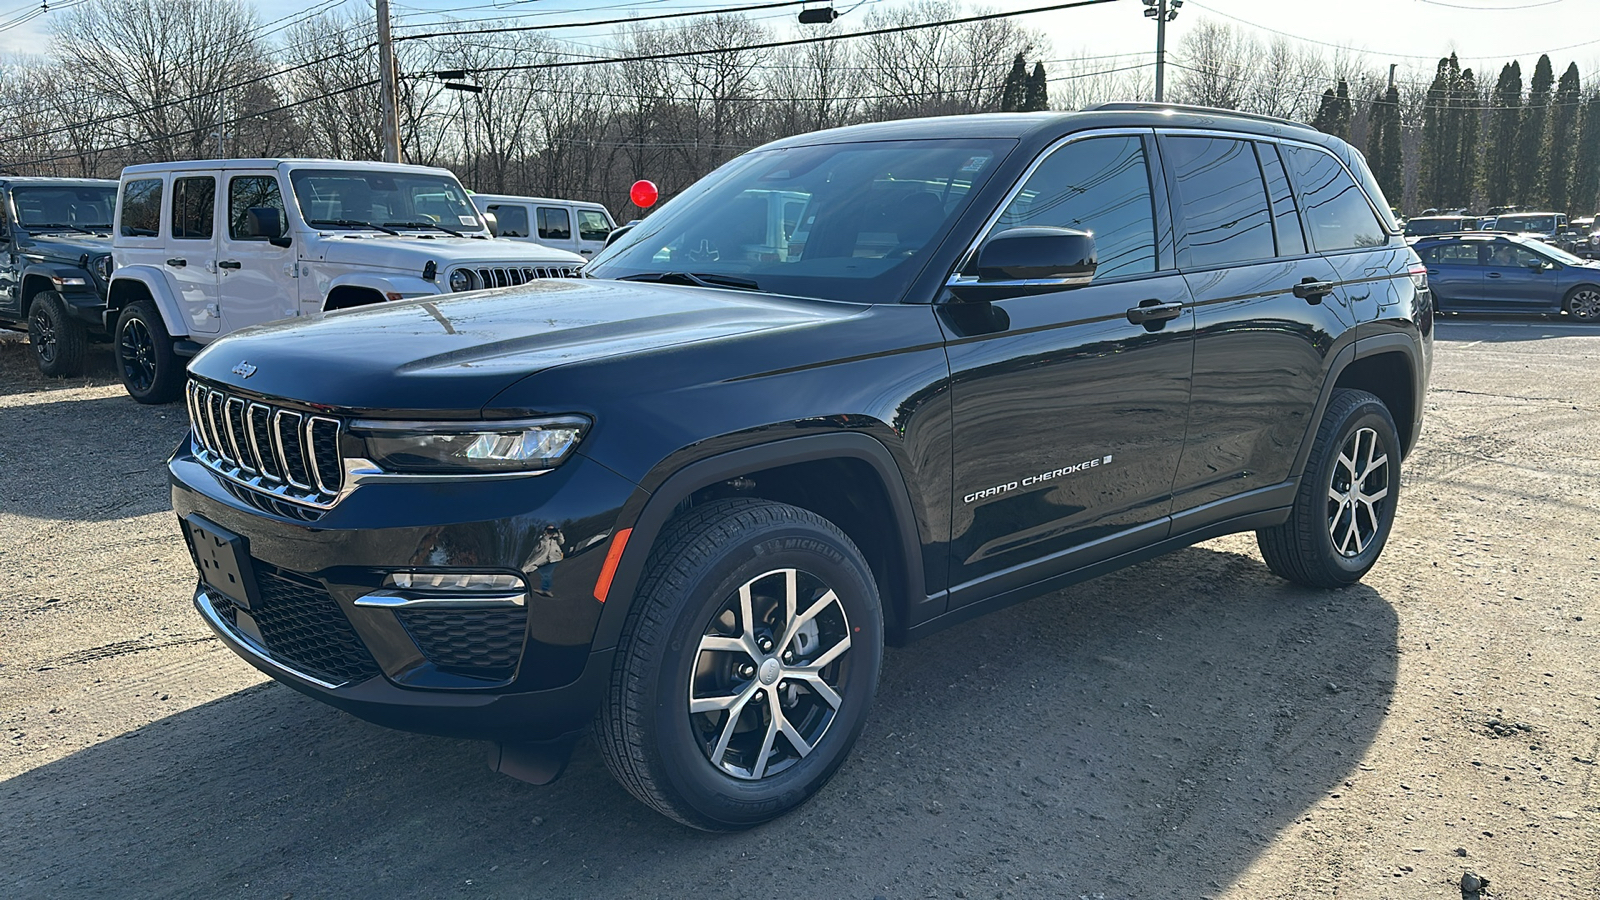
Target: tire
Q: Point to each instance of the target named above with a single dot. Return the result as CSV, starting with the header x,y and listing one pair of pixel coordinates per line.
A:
x,y
1344,510
151,372
732,765
1583,303
57,338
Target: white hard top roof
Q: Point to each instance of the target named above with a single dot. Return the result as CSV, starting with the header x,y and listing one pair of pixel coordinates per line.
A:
x,y
190,165
518,198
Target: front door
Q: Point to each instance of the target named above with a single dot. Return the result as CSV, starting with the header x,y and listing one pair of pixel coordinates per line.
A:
x,y
191,261
1068,417
257,277
1511,283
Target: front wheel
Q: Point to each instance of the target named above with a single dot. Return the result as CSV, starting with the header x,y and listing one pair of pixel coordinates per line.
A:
x,y
747,665
1345,507
151,372
1583,304
57,338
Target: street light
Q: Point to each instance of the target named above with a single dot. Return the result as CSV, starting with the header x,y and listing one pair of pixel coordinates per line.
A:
x,y
1163,11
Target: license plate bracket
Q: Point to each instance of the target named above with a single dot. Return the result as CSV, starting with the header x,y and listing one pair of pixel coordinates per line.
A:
x,y
222,559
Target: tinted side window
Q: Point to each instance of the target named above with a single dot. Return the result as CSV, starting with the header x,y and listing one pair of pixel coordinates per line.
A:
x,y
1285,218
193,207
1223,201
1337,213
1099,185
248,192
1506,256
141,208
1451,254
554,224
511,221
592,226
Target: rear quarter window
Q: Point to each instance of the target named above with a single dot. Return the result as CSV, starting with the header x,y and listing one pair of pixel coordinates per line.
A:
x,y
1337,213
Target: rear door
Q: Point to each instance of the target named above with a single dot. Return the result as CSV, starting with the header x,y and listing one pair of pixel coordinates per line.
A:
x,y
1454,273
1259,348
257,278
553,225
1068,417
191,263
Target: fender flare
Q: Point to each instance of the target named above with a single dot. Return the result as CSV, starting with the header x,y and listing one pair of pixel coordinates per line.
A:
x,y
407,286
658,506
1361,348
155,283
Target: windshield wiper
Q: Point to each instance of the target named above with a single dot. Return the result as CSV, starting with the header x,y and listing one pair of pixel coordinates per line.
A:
x,y
698,279
352,223
424,225
54,226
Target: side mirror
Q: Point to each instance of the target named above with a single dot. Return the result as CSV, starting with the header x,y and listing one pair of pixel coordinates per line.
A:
x,y
263,222
491,222
1539,265
284,241
1030,260
618,232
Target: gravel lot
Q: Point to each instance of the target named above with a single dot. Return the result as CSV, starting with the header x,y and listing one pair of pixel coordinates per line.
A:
x,y
1191,727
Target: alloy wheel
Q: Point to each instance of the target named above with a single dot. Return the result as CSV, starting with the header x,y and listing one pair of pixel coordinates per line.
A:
x,y
1356,493
138,351
1585,305
767,677
42,334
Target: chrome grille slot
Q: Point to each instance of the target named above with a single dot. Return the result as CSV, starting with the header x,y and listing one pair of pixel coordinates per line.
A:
x,y
284,454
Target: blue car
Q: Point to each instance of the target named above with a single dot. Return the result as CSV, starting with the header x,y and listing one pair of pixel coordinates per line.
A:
x,y
1509,273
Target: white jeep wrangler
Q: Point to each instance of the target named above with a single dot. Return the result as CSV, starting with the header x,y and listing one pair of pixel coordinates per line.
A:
x,y
204,248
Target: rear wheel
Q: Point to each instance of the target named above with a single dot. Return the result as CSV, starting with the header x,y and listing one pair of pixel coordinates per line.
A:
x,y
57,338
747,665
1345,507
1583,303
151,372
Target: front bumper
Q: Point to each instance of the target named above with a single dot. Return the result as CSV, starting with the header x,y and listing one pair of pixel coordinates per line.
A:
x,y
529,673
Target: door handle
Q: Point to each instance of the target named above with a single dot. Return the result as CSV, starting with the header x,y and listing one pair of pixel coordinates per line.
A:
x,y
177,263
227,264
1492,275
1312,290
1154,311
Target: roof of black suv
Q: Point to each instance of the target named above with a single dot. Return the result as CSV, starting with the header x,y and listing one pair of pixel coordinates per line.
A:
x,y
1020,126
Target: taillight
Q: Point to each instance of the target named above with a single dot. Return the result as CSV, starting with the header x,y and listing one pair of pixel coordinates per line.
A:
x,y
1419,277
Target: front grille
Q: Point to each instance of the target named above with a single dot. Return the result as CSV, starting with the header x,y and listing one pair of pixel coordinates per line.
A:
x,y
289,455
477,643
303,627
507,276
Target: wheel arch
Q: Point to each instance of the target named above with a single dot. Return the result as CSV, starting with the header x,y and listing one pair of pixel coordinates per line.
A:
x,y
1566,299
1387,366
348,296
850,479
131,285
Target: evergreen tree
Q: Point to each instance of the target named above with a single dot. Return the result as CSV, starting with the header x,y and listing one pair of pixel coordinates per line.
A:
x,y
1465,124
1505,122
1532,143
1586,160
1563,133
1439,135
1015,90
1335,112
1037,96
1383,144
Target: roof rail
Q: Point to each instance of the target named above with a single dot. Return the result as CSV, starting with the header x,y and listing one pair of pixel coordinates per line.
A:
x,y
1137,106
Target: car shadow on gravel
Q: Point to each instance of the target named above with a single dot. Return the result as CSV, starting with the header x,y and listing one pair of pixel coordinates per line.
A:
x,y
1140,736
86,460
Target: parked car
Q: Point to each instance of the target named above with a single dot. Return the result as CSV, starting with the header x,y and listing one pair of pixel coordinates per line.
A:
x,y
688,498
1509,273
55,260
1548,227
572,225
204,248
1425,225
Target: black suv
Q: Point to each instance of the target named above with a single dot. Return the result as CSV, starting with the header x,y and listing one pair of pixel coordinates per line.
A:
x,y
55,262
852,387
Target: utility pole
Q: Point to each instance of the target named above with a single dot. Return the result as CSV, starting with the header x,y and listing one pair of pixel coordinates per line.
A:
x,y
1163,11
388,88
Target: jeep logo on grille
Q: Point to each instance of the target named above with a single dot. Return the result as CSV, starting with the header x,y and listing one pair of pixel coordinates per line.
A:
x,y
244,369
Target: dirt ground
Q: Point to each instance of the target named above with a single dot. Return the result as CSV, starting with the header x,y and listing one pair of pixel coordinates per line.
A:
x,y
1192,727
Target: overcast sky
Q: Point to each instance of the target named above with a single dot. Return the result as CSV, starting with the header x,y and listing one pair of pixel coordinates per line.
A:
x,y
1413,33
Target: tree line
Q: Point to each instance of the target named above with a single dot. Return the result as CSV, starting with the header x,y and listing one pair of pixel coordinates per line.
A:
x,y
129,81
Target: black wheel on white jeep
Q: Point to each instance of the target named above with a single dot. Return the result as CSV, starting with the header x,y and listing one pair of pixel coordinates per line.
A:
x,y
747,665
151,372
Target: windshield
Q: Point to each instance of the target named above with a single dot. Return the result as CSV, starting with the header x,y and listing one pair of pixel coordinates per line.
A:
x,y
1536,224
1436,226
839,221
85,208
383,200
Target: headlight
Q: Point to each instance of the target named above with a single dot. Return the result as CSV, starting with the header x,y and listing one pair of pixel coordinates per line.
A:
x,y
465,448
68,281
102,266
460,280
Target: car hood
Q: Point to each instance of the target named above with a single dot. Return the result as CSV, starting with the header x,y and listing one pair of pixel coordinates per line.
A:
x,y
448,356
66,248
411,252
